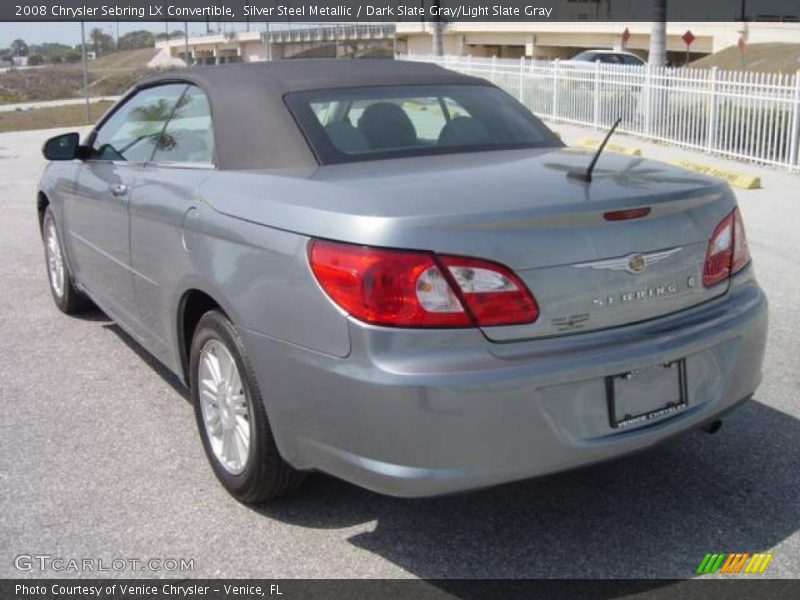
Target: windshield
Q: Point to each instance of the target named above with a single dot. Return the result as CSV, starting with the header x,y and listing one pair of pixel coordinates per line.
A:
x,y
358,124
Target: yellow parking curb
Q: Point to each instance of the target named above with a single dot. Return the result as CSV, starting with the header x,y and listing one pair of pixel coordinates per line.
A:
x,y
735,178
593,144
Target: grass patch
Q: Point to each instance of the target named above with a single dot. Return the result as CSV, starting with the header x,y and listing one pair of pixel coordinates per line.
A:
x,y
771,57
56,83
73,115
47,83
109,75
124,59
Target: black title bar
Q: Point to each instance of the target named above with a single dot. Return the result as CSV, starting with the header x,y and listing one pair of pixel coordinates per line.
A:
x,y
435,589
394,10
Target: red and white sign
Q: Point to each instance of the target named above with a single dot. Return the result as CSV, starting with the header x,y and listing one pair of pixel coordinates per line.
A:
x,y
688,37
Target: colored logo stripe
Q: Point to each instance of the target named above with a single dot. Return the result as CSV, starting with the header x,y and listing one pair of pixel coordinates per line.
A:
x,y
758,563
734,562
711,563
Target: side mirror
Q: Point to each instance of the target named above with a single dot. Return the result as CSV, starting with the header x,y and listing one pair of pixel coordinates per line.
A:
x,y
63,147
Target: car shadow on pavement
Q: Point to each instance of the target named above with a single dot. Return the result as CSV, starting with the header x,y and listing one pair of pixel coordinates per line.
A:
x,y
651,515
165,374
91,313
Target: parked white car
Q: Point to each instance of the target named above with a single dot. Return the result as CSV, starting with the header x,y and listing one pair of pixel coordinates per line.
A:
x,y
614,57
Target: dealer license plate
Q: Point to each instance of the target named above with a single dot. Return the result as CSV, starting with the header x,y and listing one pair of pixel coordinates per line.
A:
x,y
641,396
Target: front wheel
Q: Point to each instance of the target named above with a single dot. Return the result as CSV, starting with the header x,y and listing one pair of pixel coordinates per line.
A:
x,y
231,417
66,296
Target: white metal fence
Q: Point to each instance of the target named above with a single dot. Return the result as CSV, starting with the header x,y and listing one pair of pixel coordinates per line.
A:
x,y
751,116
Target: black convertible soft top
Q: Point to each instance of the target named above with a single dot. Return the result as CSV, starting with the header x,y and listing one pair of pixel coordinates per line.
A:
x,y
254,129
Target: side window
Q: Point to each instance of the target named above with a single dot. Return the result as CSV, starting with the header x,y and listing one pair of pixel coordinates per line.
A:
x,y
131,133
631,60
322,110
188,137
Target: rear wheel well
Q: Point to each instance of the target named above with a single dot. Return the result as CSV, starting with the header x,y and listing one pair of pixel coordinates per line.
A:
x,y
193,306
42,202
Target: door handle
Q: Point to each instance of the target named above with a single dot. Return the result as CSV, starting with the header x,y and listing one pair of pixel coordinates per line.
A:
x,y
118,189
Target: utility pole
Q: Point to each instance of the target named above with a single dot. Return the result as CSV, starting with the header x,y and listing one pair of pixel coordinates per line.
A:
x,y
85,72
166,28
186,42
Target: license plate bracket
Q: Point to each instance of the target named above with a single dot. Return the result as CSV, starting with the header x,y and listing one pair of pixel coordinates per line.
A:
x,y
641,396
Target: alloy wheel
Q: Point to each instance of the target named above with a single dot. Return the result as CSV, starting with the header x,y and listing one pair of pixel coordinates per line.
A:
x,y
55,260
224,406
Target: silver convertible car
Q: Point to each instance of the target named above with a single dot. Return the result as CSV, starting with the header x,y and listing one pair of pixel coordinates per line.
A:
x,y
386,271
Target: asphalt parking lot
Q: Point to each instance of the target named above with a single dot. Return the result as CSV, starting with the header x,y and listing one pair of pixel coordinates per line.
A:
x,y
99,456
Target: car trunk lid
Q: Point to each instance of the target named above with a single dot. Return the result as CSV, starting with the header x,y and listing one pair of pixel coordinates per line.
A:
x,y
520,209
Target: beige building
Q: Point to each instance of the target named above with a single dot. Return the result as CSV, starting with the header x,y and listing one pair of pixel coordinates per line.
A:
x,y
541,39
564,39
347,39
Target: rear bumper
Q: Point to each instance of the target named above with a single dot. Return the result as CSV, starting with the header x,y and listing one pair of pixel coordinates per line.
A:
x,y
421,413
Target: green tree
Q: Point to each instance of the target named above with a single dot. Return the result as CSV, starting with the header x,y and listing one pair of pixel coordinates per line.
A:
x,y
52,53
73,56
102,43
19,48
134,40
177,33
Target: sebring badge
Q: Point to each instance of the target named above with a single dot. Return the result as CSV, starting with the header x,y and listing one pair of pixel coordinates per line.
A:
x,y
658,291
632,263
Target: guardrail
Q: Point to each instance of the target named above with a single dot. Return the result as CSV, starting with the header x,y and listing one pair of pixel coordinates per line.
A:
x,y
751,116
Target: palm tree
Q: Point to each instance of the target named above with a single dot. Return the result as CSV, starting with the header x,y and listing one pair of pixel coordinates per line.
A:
x,y
658,34
657,58
19,48
438,26
152,118
96,35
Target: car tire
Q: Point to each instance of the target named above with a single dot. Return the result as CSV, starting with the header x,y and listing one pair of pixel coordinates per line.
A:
x,y
231,417
66,296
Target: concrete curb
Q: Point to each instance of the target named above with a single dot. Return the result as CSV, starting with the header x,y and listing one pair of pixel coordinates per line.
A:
x,y
593,144
735,178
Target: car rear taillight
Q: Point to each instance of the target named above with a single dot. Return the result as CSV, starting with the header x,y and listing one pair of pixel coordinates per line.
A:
x,y
727,251
404,288
741,251
492,293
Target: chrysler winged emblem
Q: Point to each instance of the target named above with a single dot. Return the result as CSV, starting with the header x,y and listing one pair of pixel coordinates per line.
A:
x,y
635,263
